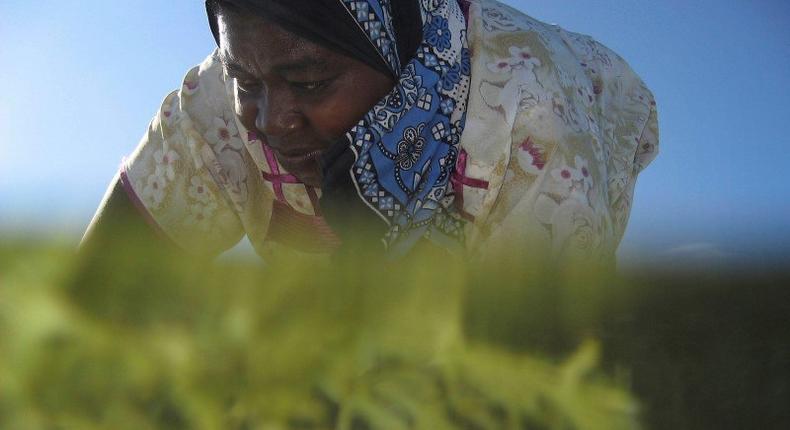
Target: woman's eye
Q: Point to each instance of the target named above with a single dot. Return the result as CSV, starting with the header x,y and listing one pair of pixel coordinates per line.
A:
x,y
248,86
310,86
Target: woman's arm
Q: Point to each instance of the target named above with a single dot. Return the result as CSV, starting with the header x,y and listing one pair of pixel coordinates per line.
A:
x,y
117,221
126,270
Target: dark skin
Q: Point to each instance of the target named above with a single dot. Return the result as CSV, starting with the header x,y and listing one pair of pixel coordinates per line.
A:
x,y
297,95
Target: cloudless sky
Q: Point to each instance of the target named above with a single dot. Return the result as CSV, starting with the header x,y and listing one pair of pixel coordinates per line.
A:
x,y
80,80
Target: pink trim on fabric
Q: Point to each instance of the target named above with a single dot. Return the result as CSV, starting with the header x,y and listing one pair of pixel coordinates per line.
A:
x,y
140,206
459,179
460,173
278,180
281,179
271,160
296,230
313,200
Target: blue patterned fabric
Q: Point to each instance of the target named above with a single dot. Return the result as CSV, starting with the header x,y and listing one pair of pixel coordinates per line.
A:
x,y
406,146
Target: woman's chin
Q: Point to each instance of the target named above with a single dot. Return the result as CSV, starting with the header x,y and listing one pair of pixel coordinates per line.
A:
x,y
305,169
307,173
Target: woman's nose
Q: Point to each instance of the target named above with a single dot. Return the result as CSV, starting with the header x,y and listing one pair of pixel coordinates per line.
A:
x,y
278,116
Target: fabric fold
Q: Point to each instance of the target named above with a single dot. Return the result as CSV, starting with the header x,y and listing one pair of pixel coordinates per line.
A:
x,y
406,146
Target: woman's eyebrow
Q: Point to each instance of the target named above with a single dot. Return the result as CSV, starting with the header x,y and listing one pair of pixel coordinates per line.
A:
x,y
231,66
301,65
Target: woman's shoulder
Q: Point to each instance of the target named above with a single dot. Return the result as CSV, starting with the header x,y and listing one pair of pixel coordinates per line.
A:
x,y
558,85
501,25
189,172
554,117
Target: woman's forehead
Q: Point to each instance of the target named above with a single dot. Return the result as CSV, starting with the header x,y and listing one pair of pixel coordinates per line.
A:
x,y
331,24
253,43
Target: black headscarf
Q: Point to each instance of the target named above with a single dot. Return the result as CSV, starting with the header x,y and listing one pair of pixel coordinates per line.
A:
x,y
329,24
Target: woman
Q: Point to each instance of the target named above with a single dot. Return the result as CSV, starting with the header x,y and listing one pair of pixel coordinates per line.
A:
x,y
320,124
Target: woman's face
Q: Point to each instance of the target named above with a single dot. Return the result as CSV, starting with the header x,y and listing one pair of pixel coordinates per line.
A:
x,y
298,95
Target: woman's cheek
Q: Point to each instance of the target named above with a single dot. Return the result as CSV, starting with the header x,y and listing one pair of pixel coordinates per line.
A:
x,y
246,110
330,125
336,116
352,97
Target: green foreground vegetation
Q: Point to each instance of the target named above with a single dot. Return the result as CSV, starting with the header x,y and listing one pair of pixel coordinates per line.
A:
x,y
150,342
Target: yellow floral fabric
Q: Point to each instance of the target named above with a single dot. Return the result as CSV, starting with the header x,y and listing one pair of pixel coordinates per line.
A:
x,y
558,126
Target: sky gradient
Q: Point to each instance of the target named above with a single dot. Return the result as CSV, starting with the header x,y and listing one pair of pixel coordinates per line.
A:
x,y
80,80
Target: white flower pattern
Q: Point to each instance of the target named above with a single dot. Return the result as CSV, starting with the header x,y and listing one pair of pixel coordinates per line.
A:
x,y
200,215
154,190
223,134
198,189
573,181
165,163
520,58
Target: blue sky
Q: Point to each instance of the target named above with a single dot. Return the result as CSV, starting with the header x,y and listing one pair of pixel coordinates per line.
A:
x,y
79,81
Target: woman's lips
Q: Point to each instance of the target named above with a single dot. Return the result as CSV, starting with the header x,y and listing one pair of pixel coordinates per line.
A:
x,y
305,166
298,158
